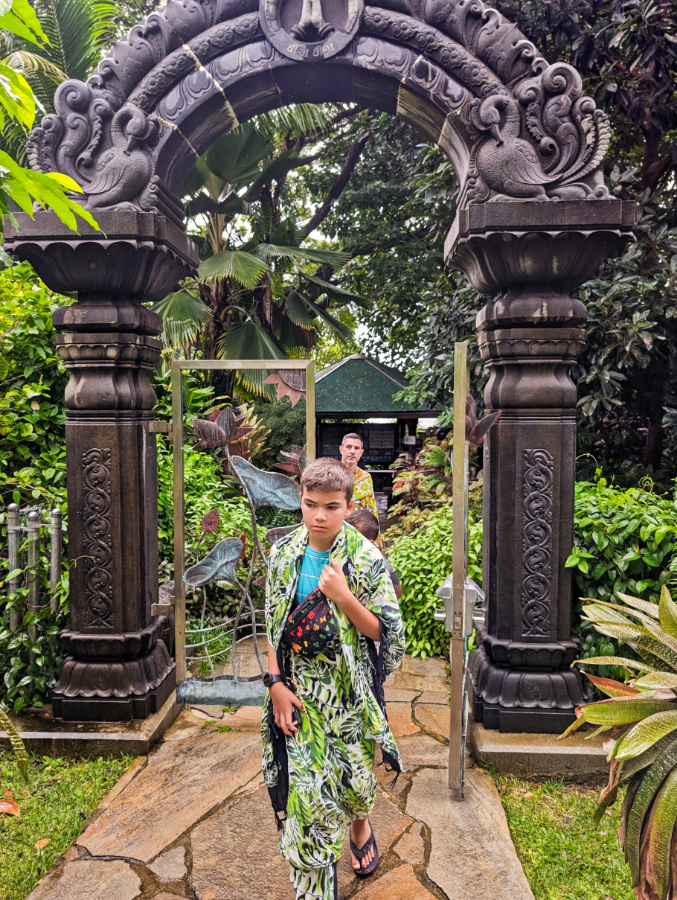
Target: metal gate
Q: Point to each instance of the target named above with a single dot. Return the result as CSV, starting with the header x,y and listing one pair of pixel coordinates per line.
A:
x,y
235,679
464,599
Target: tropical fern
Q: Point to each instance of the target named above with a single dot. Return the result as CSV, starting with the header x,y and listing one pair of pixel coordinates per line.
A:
x,y
643,755
18,746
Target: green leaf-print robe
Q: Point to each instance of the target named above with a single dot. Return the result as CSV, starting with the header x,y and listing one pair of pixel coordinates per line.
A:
x,y
331,782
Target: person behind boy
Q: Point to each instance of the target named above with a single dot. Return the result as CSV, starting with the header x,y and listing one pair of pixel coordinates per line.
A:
x,y
367,524
330,758
351,451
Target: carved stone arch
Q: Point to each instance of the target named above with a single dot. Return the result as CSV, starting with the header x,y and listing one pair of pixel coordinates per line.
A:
x,y
534,221
513,126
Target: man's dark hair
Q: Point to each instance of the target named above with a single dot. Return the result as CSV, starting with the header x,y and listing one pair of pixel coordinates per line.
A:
x,y
327,475
365,522
354,435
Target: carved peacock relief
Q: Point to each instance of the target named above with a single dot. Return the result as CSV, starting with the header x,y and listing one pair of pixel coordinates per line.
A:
x,y
523,126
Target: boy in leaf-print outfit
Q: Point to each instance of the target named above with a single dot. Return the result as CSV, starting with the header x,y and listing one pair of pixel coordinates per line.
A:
x,y
330,758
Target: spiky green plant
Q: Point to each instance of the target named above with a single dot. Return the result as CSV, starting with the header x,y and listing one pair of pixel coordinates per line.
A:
x,y
641,716
17,743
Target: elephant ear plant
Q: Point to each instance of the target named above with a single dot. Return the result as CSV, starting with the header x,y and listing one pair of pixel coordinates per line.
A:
x,y
641,716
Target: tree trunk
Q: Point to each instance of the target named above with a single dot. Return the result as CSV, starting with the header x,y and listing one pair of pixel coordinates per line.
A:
x,y
653,450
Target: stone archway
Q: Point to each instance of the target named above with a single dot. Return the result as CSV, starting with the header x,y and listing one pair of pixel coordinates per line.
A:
x,y
534,221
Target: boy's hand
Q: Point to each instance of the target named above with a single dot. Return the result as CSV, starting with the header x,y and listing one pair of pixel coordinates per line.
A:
x,y
284,701
333,584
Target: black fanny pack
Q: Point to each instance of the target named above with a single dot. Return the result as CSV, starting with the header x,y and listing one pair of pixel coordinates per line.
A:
x,y
311,627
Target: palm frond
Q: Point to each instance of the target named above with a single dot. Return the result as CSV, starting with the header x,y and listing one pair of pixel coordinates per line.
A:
x,y
42,74
296,308
238,264
184,316
341,331
336,293
334,258
249,341
296,120
79,32
205,205
236,157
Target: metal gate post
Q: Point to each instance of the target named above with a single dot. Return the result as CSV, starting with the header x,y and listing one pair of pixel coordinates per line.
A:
x,y
460,511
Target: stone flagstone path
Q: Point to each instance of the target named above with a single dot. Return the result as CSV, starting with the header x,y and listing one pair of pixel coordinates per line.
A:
x,y
193,820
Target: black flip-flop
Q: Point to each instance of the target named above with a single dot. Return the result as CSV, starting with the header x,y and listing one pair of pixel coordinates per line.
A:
x,y
361,852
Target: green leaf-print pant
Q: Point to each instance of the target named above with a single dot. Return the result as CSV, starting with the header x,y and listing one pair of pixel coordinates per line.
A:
x,y
331,782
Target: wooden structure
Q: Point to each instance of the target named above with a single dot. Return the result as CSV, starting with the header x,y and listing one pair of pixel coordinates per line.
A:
x,y
357,388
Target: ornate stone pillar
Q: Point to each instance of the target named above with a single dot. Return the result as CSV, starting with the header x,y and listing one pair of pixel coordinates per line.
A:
x,y
117,664
527,257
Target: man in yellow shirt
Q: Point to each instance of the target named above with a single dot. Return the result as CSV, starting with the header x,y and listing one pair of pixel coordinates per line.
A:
x,y
351,451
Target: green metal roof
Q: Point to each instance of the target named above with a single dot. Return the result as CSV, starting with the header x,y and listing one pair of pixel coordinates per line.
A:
x,y
358,386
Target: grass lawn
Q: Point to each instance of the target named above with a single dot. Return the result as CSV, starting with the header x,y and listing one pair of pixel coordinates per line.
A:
x,y
564,856
60,795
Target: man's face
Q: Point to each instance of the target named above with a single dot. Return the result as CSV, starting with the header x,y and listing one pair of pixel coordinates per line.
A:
x,y
324,512
351,452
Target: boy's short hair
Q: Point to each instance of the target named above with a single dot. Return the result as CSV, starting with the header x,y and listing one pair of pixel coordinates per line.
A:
x,y
365,522
354,435
327,475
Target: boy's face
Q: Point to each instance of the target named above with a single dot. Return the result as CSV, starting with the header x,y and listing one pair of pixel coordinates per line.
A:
x,y
324,512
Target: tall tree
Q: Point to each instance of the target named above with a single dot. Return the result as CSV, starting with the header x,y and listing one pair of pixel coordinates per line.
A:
x,y
264,288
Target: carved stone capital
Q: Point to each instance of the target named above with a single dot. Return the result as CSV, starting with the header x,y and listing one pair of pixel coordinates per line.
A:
x,y
529,367
556,246
109,371
140,255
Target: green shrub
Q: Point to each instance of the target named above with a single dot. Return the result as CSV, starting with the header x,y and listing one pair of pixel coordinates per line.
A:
x,y
32,472
32,382
287,426
206,488
423,560
625,541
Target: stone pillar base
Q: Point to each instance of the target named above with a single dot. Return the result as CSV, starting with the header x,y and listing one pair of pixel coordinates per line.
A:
x,y
115,677
537,701
97,690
